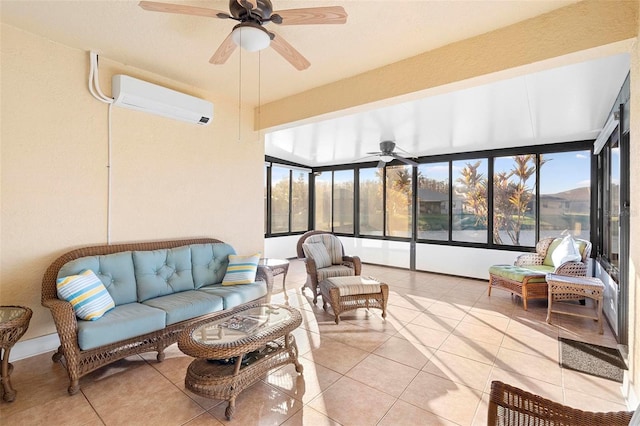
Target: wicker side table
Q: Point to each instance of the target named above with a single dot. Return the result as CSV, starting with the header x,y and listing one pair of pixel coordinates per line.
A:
x,y
14,321
563,287
277,266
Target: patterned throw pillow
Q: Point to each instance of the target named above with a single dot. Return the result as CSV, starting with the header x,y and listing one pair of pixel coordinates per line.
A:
x,y
319,253
86,293
241,269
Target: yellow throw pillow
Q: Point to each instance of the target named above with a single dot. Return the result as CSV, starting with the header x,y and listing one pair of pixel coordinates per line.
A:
x,y
241,269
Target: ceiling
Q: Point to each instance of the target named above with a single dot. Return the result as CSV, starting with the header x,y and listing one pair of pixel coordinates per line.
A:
x,y
563,104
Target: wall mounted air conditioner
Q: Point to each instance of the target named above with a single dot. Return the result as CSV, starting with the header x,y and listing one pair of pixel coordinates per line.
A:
x,y
129,92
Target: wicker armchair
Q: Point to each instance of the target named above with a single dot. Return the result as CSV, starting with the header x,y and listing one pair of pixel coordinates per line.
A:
x,y
340,265
576,269
509,405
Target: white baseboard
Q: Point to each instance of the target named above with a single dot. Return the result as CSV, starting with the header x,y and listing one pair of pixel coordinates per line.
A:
x,y
629,393
35,346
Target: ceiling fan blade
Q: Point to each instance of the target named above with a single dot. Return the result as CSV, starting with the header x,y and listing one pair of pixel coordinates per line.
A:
x,y
313,15
381,164
405,160
224,51
180,8
287,51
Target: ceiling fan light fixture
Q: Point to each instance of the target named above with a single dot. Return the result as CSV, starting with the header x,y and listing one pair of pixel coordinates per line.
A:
x,y
386,158
250,37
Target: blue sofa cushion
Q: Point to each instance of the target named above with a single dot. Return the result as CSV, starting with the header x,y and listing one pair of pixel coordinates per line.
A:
x,y
162,272
114,270
210,262
120,323
233,296
186,305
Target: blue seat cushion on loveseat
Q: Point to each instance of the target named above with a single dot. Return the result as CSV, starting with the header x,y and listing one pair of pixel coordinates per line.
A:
x,y
234,295
162,272
210,262
186,305
122,322
114,270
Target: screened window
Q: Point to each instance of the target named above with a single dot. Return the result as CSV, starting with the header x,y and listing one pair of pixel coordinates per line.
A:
x,y
323,200
565,194
299,201
399,201
279,199
433,201
611,243
343,201
469,209
514,197
371,202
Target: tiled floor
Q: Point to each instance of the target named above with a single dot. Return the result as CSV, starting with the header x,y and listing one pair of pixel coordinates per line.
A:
x,y
430,363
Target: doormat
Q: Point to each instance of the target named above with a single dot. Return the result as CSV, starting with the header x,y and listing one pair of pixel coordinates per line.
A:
x,y
595,360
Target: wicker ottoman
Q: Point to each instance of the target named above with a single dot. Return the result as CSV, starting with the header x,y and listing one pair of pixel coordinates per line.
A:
x,y
349,293
523,282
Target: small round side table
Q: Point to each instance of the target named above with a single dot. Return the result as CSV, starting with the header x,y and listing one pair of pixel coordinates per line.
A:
x,y
14,321
277,266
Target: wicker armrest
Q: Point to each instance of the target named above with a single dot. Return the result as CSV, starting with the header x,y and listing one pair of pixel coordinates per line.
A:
x,y
528,259
575,269
265,274
353,262
509,405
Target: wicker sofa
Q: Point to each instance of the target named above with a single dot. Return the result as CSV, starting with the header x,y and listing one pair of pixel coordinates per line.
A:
x,y
159,288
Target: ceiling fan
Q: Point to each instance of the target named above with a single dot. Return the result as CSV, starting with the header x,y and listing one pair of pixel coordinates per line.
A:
x,y
387,154
250,33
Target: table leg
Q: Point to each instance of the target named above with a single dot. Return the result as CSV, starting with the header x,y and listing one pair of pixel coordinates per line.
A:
x,y
600,327
284,285
231,408
8,393
550,302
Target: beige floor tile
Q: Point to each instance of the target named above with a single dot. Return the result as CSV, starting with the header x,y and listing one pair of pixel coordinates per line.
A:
x,y
470,348
479,332
401,316
494,320
603,388
538,345
435,322
306,386
585,402
405,352
354,335
259,401
442,397
461,370
307,416
376,323
410,300
405,414
537,367
63,410
350,402
306,340
482,412
204,419
140,395
454,311
336,355
383,374
527,383
423,335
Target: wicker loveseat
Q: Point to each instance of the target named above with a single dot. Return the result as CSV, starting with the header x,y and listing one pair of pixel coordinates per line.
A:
x,y
159,288
526,277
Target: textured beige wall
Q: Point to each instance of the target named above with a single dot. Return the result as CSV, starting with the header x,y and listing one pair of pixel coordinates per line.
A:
x,y
169,179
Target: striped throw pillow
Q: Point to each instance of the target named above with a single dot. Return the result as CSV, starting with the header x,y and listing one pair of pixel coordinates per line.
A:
x,y
318,252
241,269
86,293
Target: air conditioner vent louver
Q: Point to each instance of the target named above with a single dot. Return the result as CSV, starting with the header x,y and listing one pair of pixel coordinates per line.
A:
x,y
129,92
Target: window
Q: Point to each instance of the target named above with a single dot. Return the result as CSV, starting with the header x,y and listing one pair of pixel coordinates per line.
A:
x,y
323,200
399,201
514,197
565,194
343,201
371,202
279,199
433,201
299,201
610,156
469,207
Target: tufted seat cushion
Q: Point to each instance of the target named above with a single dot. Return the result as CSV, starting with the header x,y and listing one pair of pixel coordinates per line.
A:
x,y
334,271
516,273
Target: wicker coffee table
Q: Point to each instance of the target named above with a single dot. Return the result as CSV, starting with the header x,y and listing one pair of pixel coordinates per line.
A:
x,y
14,321
233,351
562,287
